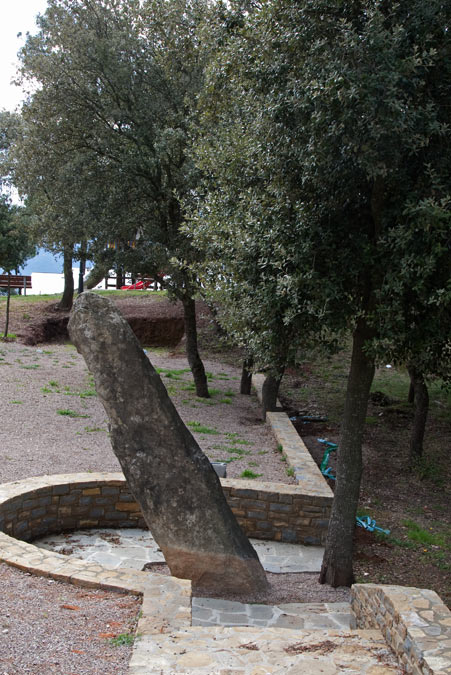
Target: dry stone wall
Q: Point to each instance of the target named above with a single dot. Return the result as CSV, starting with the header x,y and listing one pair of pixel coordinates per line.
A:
x,y
414,621
50,504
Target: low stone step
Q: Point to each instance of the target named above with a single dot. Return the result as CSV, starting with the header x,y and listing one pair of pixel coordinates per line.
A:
x,y
303,616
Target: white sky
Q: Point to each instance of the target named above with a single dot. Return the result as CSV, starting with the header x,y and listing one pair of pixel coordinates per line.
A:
x,y
15,16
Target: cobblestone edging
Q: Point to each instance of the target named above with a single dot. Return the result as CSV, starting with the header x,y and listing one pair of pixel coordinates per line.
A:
x,y
415,623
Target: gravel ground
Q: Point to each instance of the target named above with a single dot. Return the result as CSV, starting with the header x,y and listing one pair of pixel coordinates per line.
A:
x,y
39,385
52,627
282,588
52,422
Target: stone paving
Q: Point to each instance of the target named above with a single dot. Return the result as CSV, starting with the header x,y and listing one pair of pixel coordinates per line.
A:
x,y
274,651
215,612
133,547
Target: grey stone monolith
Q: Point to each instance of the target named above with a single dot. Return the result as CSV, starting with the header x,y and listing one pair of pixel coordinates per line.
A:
x,y
169,475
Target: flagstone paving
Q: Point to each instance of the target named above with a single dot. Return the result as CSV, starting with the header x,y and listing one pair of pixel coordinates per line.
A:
x,y
133,547
216,612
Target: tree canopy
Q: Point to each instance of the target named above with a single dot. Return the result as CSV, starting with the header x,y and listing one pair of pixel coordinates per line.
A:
x,y
327,158
116,87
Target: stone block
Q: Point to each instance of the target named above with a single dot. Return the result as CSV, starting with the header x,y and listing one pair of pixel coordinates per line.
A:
x,y
127,506
256,515
280,508
30,504
289,536
268,496
254,504
69,499
237,492
109,490
285,499
114,515
60,489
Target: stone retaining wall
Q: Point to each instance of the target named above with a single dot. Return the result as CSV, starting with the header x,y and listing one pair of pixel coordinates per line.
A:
x,y
38,506
49,504
289,513
415,623
278,512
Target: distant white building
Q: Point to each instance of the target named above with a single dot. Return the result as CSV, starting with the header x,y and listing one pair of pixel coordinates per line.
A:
x,y
49,284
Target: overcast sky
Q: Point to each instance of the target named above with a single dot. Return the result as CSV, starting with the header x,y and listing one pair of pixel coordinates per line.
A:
x,y
16,16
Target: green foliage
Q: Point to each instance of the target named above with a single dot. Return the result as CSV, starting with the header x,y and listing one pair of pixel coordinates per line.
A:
x,y
428,468
65,412
247,473
103,152
123,639
427,537
200,428
238,451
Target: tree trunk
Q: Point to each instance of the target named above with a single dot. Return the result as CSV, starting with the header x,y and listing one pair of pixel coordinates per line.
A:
x,y
82,269
421,408
411,394
95,276
119,278
8,298
66,301
179,493
337,562
270,391
192,352
246,376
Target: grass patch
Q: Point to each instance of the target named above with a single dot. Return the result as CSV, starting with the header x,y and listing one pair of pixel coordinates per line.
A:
x,y
17,402
371,420
92,430
188,387
124,639
247,473
88,393
236,439
423,536
172,374
69,413
427,468
238,451
205,401
290,471
199,428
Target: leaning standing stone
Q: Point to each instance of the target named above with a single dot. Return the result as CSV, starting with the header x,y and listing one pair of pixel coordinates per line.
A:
x,y
169,475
